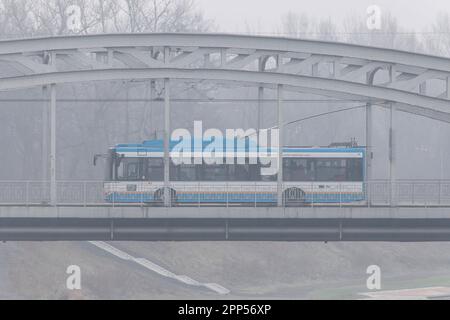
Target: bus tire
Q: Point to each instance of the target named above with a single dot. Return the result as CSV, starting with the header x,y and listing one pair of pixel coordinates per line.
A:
x,y
294,197
158,196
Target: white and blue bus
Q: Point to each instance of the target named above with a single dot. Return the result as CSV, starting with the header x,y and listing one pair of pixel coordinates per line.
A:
x,y
319,175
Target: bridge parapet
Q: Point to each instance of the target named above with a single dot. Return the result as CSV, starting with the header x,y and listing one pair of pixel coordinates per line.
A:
x,y
406,193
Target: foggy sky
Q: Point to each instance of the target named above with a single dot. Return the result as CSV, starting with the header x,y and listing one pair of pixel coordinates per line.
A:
x,y
265,15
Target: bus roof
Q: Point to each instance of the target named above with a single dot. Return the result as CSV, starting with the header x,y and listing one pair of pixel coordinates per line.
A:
x,y
158,146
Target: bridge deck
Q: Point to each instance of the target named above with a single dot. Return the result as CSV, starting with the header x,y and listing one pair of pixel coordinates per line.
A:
x,y
126,223
325,212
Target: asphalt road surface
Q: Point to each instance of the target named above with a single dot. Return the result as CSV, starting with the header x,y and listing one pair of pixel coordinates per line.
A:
x,y
37,270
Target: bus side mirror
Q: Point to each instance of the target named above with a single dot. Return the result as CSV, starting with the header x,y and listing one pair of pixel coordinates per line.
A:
x,y
96,158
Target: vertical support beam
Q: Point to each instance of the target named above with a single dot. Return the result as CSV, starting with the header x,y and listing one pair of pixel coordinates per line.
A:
x,y
423,88
337,69
392,158
53,191
260,108
278,61
110,57
280,145
167,198
369,141
223,57
369,152
166,55
151,94
315,70
392,74
127,111
260,98
448,88
147,124
45,136
150,104
207,60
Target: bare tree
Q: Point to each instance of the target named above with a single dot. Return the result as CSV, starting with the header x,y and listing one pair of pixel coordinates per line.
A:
x,y
354,30
327,30
297,25
21,18
391,35
437,38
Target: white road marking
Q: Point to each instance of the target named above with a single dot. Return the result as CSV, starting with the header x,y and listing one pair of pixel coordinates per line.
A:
x,y
409,294
158,269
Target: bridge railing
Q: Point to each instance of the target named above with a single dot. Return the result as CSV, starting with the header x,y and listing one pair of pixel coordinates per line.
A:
x,y
422,193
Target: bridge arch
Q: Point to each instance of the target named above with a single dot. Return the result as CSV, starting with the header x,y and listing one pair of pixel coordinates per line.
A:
x,y
432,108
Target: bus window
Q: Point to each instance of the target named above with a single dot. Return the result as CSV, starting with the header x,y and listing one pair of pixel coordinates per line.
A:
x,y
266,178
231,172
184,172
215,172
128,169
298,169
331,170
155,169
255,172
355,170
239,172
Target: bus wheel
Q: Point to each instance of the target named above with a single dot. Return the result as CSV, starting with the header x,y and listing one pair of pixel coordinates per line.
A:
x,y
159,196
294,197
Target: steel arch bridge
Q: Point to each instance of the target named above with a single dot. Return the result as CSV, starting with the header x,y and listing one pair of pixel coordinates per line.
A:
x,y
326,68
404,81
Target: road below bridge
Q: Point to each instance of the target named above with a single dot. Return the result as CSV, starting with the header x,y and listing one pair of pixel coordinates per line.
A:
x,y
250,270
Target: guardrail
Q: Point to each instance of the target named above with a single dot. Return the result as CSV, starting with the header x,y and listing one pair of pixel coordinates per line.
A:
x,y
417,193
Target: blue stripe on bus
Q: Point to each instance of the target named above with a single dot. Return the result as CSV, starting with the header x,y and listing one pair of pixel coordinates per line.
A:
x,y
234,198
